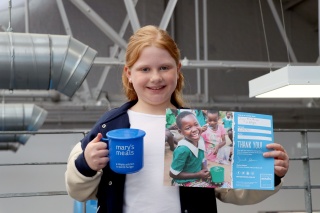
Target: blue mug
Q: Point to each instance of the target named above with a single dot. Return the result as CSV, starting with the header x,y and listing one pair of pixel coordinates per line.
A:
x,y
125,150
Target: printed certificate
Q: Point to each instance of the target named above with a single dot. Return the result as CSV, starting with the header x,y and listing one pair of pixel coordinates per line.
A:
x,y
250,170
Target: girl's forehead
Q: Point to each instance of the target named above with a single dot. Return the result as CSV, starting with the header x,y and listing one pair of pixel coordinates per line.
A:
x,y
152,55
154,50
189,117
213,114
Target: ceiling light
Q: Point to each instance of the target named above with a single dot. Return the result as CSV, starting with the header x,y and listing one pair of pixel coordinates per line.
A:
x,y
287,82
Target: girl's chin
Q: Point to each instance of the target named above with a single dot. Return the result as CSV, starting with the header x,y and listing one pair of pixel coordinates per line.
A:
x,y
194,139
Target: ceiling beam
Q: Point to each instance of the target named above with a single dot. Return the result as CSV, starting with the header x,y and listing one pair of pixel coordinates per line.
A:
x,y
186,63
100,23
167,14
132,13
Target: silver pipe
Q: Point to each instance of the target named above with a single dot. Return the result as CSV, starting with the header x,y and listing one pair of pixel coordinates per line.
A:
x,y
64,17
205,51
196,11
132,13
68,30
54,95
191,64
239,64
33,164
306,170
13,146
26,11
9,9
167,14
15,117
100,23
33,194
48,132
38,61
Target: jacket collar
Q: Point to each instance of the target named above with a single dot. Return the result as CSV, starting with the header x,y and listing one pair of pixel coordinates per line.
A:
x,y
193,149
116,112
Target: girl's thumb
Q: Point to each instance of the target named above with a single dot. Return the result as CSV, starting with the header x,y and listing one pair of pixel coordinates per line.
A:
x,y
97,138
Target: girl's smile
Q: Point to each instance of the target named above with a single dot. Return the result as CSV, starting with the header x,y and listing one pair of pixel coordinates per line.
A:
x,y
154,77
190,128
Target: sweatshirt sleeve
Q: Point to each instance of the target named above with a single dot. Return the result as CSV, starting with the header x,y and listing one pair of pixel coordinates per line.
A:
x,y
79,186
244,197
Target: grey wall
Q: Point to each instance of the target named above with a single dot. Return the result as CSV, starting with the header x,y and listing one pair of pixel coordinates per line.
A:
x,y
56,148
31,179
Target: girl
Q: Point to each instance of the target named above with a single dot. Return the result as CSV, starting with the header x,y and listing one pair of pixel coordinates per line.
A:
x,y
227,120
187,167
152,82
214,138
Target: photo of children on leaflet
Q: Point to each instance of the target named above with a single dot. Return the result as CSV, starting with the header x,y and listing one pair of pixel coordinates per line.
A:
x,y
198,151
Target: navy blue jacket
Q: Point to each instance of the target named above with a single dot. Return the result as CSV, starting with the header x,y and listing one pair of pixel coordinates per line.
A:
x,y
111,188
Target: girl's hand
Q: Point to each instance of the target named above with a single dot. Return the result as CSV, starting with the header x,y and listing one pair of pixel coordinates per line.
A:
x,y
216,149
173,127
204,173
281,163
96,153
204,128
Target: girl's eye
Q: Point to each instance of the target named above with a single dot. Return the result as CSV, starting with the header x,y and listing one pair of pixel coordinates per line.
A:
x,y
145,69
164,68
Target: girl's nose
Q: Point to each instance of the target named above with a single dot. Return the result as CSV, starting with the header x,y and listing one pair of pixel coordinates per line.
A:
x,y
194,129
155,76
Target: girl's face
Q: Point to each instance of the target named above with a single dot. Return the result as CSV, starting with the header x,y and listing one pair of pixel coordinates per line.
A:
x,y
212,119
190,128
154,77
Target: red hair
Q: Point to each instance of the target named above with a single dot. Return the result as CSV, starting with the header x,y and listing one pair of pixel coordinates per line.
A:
x,y
145,37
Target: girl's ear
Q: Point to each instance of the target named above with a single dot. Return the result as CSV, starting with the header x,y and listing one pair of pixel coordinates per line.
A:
x,y
127,71
179,69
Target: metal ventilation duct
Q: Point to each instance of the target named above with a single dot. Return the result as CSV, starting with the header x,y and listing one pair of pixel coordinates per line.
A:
x,y
19,117
13,146
39,61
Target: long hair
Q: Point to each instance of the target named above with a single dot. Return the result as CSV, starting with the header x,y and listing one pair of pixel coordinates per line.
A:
x,y
145,37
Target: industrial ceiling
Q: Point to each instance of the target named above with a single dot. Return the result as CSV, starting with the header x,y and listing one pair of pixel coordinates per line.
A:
x,y
224,44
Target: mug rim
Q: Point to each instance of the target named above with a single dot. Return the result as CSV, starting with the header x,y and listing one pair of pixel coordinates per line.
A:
x,y
116,134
